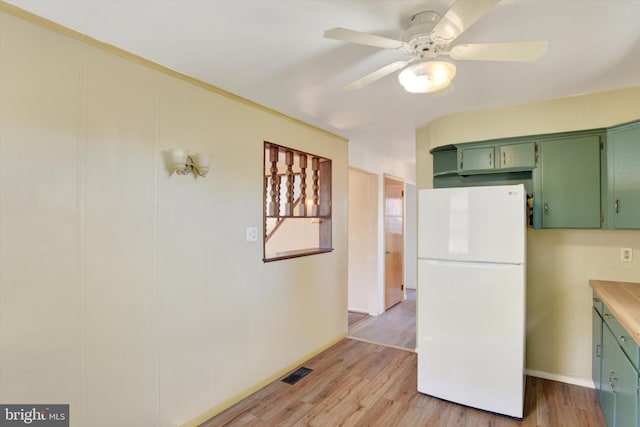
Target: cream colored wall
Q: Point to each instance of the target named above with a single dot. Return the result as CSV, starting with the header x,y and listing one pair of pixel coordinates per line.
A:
x,y
126,292
363,242
560,262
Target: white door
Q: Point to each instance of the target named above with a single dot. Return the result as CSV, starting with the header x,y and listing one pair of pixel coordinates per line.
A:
x,y
473,224
471,326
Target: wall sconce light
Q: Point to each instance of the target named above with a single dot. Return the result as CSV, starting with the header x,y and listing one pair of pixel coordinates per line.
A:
x,y
184,163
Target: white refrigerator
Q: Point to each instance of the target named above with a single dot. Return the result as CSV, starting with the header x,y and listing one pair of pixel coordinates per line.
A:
x,y
471,296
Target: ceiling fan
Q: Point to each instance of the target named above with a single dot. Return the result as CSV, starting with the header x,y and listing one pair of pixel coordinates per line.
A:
x,y
428,38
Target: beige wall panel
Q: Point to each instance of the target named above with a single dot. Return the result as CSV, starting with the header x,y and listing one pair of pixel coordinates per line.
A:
x,y
39,285
363,242
164,311
120,221
188,215
560,262
268,315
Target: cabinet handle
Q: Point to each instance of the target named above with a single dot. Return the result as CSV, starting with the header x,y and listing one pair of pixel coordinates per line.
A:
x,y
623,339
546,208
598,350
608,316
490,158
504,157
616,205
612,381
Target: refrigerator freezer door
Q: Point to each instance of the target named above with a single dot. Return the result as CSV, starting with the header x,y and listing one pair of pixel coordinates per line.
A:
x,y
471,334
484,224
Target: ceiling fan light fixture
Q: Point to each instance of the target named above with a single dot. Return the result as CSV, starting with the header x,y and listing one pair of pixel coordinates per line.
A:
x,y
427,76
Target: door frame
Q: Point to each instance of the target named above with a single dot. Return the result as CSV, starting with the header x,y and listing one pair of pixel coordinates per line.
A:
x,y
401,181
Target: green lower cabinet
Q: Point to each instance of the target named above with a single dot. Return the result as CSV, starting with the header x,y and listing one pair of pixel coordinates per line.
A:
x,y
626,390
618,392
596,353
623,175
607,395
567,182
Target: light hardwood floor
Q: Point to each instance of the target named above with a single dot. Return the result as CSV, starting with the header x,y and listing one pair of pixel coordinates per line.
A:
x,y
355,383
396,327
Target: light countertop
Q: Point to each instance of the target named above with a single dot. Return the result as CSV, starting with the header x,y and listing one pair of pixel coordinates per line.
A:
x,y
623,300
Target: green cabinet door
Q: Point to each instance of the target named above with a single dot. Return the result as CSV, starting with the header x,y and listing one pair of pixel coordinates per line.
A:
x,y
623,154
596,352
626,390
517,156
444,162
567,193
607,394
476,159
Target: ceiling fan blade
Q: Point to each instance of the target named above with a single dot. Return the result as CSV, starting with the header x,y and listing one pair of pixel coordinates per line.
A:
x,y
366,39
377,74
460,17
518,51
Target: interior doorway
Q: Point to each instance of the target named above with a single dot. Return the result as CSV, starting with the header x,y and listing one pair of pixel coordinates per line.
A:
x,y
377,204
393,241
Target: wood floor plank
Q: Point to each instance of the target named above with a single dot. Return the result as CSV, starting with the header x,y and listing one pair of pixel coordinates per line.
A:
x,y
361,384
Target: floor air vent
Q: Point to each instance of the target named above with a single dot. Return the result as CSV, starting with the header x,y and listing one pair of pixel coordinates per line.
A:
x,y
297,375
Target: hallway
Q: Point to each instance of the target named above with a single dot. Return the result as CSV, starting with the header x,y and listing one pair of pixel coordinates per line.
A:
x,y
394,328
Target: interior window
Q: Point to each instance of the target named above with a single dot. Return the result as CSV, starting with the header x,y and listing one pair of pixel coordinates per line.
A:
x,y
297,203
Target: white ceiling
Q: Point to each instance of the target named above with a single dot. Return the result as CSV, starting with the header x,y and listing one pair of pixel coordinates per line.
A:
x,y
273,52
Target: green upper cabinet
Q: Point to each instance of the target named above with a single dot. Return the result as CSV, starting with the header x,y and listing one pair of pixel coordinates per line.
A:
x,y
567,181
623,175
517,156
445,161
575,181
475,159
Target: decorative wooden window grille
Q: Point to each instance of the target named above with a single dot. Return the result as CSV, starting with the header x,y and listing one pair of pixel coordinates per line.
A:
x,y
297,203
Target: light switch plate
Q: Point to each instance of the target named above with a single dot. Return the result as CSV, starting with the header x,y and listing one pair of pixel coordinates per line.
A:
x,y
252,234
626,254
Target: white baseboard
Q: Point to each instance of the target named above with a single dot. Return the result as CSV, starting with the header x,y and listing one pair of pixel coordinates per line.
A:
x,y
561,378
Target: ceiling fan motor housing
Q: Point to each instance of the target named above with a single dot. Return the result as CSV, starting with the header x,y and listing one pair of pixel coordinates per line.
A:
x,y
419,38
